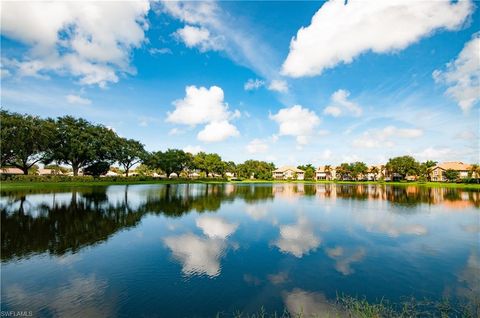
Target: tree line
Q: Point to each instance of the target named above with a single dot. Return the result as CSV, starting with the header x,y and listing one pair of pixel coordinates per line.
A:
x,y
27,140
396,168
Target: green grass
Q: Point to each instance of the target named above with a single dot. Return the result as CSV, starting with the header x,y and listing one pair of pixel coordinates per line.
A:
x,y
347,306
6,185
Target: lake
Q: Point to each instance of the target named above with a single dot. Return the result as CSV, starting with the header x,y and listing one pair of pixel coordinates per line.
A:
x,y
195,250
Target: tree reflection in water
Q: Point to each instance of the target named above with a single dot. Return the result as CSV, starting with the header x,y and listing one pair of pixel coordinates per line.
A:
x,y
39,221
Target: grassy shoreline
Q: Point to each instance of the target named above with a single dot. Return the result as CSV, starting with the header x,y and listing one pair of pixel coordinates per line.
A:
x,y
7,185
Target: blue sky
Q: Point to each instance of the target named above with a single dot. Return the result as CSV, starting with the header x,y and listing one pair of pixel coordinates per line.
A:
x,y
288,82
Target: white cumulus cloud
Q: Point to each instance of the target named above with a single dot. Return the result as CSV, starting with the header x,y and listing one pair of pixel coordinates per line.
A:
x,y
81,39
201,105
253,84
382,138
192,149
296,121
205,106
462,76
217,131
280,86
75,99
198,37
340,105
257,146
340,31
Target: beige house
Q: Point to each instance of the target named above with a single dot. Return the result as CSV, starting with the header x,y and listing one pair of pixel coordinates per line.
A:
x,y
438,172
48,172
287,173
376,174
11,171
325,173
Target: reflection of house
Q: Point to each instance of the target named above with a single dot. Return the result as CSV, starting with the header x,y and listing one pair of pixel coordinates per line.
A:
x,y
10,171
288,172
288,190
438,172
325,173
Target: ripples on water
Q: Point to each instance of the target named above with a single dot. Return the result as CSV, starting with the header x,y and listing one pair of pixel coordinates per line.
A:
x,y
195,250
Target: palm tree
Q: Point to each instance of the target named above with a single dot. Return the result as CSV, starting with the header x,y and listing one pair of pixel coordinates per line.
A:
x,y
475,171
429,165
328,170
374,170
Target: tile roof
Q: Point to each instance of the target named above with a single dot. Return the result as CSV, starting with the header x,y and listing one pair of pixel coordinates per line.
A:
x,y
285,168
322,169
454,165
11,171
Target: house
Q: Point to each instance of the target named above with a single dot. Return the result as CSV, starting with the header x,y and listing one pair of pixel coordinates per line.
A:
x,y
49,172
288,173
377,172
325,173
438,172
230,175
11,171
111,173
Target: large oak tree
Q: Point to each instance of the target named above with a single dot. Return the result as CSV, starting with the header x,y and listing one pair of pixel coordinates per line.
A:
x,y
24,140
78,143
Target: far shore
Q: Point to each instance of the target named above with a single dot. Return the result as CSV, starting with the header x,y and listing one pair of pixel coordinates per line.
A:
x,y
8,185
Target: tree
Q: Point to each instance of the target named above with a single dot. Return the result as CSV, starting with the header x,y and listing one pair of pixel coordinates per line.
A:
x,y
343,171
213,163
259,169
309,171
128,153
209,163
57,169
403,166
475,171
425,169
328,172
358,169
170,161
230,166
144,170
97,169
24,140
78,143
375,171
452,175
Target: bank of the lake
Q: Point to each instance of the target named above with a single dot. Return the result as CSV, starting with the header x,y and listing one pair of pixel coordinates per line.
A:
x,y
6,185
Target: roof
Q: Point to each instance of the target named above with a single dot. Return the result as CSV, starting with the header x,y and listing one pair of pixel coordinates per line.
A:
x,y
454,165
286,168
322,168
42,171
11,171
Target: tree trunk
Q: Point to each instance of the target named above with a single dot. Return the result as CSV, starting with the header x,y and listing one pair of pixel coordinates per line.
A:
x,y
126,172
25,170
75,169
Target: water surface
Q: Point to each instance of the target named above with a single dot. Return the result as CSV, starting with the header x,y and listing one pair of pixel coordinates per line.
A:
x,y
196,250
